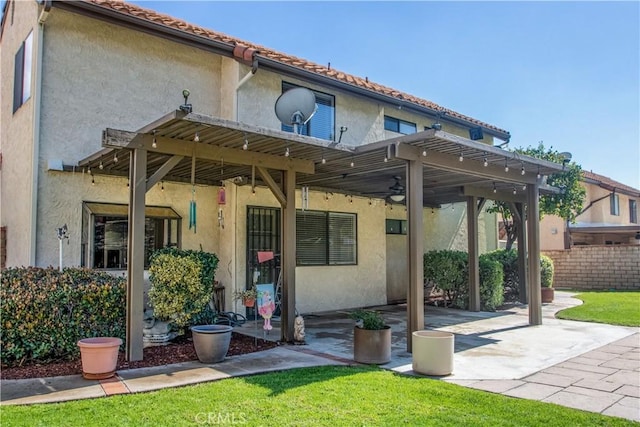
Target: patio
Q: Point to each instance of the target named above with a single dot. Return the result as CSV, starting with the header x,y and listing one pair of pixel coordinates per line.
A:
x,y
499,345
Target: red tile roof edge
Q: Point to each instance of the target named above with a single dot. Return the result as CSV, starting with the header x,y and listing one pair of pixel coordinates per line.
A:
x,y
611,184
175,23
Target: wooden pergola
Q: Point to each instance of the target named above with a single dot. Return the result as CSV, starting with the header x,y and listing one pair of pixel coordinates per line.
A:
x,y
439,168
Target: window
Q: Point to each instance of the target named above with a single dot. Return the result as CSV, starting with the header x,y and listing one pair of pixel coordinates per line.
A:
x,y
321,124
396,226
105,230
633,212
22,74
400,126
326,238
614,200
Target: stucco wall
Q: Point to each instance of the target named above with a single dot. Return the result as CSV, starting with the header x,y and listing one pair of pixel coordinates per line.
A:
x,y
321,288
16,136
552,229
597,267
96,78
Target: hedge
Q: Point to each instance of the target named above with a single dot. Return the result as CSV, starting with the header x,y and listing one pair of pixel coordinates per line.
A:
x,y
45,311
449,272
509,261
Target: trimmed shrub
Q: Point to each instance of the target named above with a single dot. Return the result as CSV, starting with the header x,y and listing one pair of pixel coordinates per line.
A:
x,y
546,271
509,261
45,311
447,270
182,285
491,284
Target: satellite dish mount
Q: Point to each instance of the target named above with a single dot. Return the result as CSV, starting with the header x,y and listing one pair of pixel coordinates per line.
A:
x,y
295,107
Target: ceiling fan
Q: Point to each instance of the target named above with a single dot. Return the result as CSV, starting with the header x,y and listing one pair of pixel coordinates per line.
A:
x,y
397,190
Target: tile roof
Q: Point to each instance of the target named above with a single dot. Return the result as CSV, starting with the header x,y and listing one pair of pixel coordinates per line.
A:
x,y
174,23
610,184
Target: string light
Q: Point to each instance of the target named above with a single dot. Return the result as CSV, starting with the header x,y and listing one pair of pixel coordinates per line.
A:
x,y
370,202
524,187
245,146
93,181
101,165
196,137
486,162
115,157
506,166
538,174
514,190
162,185
326,197
352,164
287,153
461,158
386,159
522,172
424,153
495,190
154,144
127,183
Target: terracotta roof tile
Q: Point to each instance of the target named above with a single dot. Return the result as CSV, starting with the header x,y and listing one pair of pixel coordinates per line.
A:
x,y
611,184
169,21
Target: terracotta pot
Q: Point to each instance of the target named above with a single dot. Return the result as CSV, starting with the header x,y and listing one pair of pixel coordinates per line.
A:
x,y
249,302
547,294
372,346
211,342
99,357
432,352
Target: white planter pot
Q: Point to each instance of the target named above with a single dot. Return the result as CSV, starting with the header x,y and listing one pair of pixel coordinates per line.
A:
x,y
432,352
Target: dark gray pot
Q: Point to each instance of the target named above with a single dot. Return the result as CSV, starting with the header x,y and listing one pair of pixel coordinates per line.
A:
x,y
211,342
372,346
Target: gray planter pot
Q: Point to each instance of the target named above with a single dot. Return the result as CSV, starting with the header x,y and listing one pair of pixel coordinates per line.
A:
x,y
372,346
211,342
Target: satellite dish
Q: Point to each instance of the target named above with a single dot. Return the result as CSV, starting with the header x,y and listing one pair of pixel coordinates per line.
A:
x,y
295,107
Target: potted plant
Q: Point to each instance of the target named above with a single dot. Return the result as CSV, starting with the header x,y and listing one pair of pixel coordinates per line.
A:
x,y
371,338
546,279
99,357
247,296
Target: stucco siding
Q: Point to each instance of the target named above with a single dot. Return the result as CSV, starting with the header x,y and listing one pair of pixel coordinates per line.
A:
x,y
95,78
16,137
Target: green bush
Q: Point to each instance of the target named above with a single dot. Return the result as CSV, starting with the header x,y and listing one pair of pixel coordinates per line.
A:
x,y
546,271
182,284
509,261
45,311
449,272
369,319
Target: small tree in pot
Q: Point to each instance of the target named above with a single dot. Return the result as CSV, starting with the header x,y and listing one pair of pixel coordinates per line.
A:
x,y
371,338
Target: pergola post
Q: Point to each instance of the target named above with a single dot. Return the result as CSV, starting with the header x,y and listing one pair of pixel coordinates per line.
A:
x,y
523,289
474,258
135,253
288,306
533,245
415,291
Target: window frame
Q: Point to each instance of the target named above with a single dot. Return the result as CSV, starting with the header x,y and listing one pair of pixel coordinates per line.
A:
x,y
23,71
308,128
91,210
398,123
614,204
633,211
326,238
396,227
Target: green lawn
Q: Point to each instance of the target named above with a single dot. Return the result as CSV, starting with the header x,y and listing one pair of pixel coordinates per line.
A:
x,y
323,396
614,308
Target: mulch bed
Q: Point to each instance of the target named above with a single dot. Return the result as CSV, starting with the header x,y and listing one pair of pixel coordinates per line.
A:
x,y
179,350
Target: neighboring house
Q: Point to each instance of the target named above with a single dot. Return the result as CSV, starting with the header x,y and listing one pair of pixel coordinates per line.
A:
x,y
79,68
609,217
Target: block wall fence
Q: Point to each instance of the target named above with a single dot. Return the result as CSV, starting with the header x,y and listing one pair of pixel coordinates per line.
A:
x,y
597,267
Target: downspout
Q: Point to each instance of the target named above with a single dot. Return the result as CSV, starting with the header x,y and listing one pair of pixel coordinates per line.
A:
x,y
247,56
44,13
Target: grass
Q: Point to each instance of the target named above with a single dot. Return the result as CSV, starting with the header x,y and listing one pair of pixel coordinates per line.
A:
x,y
321,396
614,308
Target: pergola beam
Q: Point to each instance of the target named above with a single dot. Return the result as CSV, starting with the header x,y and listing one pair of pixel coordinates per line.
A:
x,y
273,186
467,167
163,171
119,139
